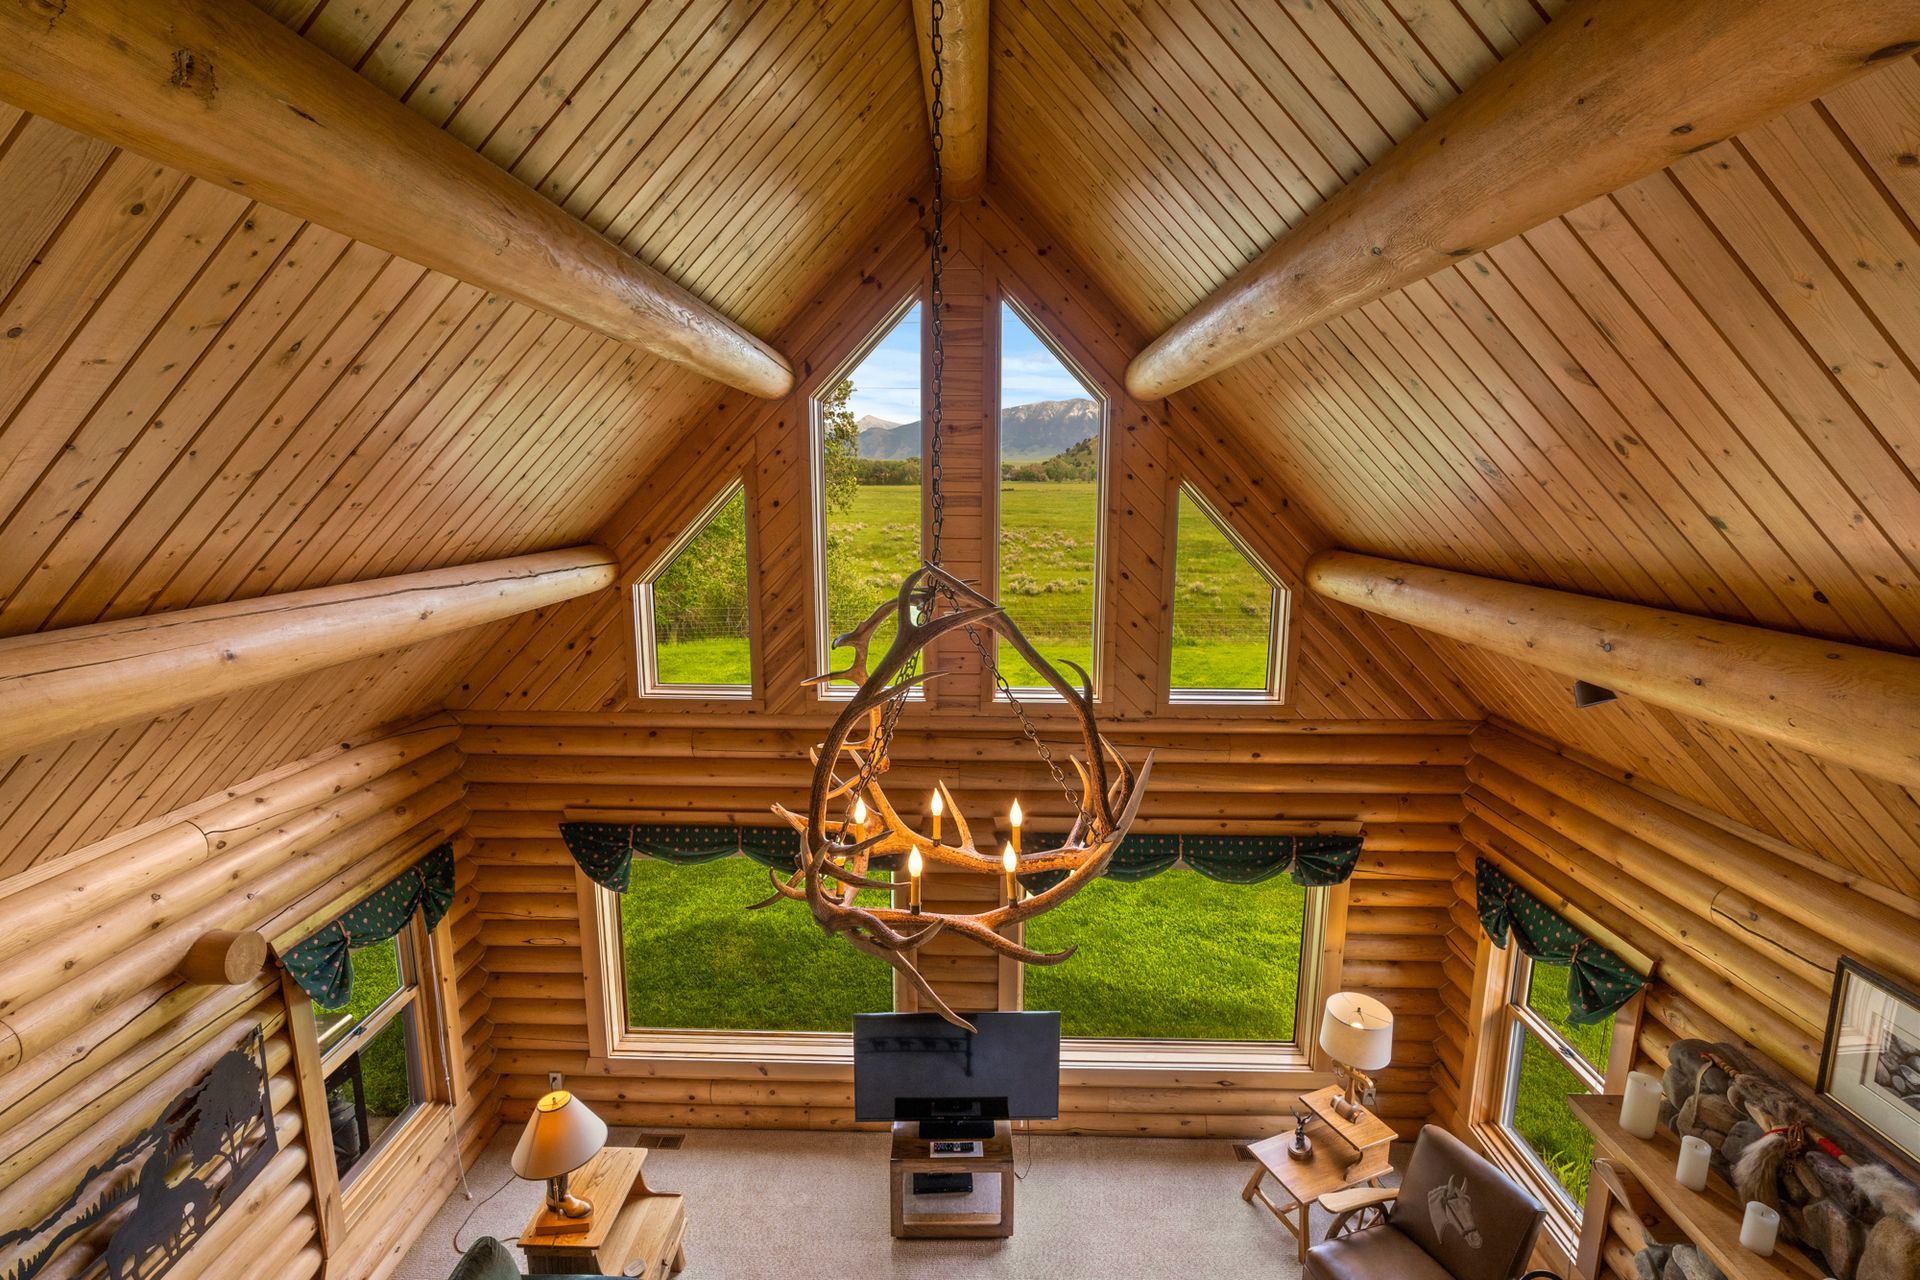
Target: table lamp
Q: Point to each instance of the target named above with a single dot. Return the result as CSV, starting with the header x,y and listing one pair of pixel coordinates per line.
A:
x,y
562,1134
1356,1031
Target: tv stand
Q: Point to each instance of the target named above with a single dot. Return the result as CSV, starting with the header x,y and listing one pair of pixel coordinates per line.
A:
x,y
956,1130
980,1215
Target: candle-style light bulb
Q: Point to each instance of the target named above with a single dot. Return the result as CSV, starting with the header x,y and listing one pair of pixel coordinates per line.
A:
x,y
938,806
1014,817
859,811
1010,862
915,865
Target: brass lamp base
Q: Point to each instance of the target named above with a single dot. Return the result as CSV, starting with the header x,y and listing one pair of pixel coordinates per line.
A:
x,y
1359,1089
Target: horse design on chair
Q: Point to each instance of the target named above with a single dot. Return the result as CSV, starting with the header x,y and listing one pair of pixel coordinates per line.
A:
x,y
1451,1206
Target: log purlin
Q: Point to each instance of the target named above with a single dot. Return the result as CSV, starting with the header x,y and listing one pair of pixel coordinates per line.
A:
x,y
105,1048
1401,788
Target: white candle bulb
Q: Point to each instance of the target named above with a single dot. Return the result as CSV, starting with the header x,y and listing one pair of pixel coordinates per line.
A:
x,y
915,864
938,806
1014,818
1010,863
859,811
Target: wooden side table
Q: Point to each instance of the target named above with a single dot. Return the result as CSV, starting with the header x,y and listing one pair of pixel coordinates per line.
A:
x,y
911,1155
1353,1154
634,1230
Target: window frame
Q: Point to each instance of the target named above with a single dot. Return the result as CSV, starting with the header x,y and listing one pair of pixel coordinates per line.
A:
x,y
347,1204
1029,316
1509,1019
827,690
647,682
1280,627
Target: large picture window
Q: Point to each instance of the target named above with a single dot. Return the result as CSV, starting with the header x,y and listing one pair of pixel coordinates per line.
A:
x,y
1052,438
866,459
695,959
1179,957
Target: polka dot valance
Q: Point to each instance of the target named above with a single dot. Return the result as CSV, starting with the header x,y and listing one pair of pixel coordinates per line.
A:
x,y
1311,860
605,850
1598,981
322,964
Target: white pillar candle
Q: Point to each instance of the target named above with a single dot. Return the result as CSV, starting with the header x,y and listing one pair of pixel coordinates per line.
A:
x,y
1760,1228
1640,1108
1695,1158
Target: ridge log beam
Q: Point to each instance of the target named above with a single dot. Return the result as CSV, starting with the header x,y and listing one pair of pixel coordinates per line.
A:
x,y
1841,702
61,683
221,90
963,89
1611,91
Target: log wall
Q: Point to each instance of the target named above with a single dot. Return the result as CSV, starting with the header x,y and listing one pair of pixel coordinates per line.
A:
x,y
96,1036
1400,783
1745,930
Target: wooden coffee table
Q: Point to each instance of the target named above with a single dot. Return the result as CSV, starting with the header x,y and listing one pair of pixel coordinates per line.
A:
x,y
1346,1153
634,1230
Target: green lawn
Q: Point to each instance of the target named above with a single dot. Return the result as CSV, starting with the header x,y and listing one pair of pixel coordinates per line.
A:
x,y
1222,611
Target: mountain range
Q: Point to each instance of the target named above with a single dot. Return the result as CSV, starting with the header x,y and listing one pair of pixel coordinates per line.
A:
x,y
1028,432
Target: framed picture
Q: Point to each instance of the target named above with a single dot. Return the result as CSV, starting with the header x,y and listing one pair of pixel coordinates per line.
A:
x,y
1870,1065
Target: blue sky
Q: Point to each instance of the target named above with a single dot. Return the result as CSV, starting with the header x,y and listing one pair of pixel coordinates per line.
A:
x,y
887,383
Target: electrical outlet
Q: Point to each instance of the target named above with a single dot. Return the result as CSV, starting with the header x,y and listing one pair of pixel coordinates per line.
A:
x,y
555,1081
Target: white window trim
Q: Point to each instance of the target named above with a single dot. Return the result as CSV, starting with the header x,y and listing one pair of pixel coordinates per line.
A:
x,y
1103,470
648,668
1280,628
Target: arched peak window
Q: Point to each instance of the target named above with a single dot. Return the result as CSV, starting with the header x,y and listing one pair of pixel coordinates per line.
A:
x,y
1229,615
1052,436
693,609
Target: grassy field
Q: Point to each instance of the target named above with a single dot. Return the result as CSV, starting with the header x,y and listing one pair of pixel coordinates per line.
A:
x,y
1222,611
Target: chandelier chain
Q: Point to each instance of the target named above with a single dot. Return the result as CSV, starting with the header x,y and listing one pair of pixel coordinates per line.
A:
x,y
936,501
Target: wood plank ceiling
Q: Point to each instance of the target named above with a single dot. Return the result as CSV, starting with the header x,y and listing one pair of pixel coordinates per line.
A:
x,y
203,399
1701,392
1698,392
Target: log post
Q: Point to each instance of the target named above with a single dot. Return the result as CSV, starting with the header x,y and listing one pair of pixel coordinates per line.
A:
x,y
1843,702
963,89
221,90
223,958
62,683
1611,91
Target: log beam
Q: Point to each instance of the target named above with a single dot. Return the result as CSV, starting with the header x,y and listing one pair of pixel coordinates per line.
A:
x,y
224,958
1842,702
1611,91
963,89
221,90
61,683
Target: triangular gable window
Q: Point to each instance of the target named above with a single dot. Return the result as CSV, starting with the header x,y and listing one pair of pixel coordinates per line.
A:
x,y
692,611
1229,613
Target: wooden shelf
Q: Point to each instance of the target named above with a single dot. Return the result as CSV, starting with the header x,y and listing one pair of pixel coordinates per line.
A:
x,y
1710,1218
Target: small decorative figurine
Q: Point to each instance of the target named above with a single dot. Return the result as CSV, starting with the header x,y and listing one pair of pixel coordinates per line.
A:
x,y
1302,1146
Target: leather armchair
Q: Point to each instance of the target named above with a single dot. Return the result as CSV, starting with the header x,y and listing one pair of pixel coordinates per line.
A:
x,y
1453,1217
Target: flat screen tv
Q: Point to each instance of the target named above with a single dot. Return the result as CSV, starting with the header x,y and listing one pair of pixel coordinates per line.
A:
x,y
914,1066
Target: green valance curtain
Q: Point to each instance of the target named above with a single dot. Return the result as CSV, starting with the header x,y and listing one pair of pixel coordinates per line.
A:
x,y
1598,981
322,965
1313,861
605,850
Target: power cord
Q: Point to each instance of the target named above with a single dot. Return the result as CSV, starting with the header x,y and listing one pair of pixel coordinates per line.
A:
x,y
1018,1176
457,1248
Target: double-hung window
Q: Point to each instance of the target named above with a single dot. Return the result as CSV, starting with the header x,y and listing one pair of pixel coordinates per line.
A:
x,y
372,1054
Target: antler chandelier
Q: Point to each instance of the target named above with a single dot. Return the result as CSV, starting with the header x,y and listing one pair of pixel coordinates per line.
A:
x,y
850,823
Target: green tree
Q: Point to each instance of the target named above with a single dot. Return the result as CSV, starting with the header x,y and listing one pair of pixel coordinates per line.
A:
x,y
841,434
703,593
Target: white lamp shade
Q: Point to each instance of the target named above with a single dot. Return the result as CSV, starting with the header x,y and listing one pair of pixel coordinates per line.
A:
x,y
1357,1031
562,1134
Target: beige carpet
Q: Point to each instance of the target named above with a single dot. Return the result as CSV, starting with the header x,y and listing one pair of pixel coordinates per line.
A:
x,y
803,1205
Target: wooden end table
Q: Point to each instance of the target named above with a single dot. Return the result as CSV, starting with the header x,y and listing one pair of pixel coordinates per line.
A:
x,y
911,1155
1346,1153
634,1230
